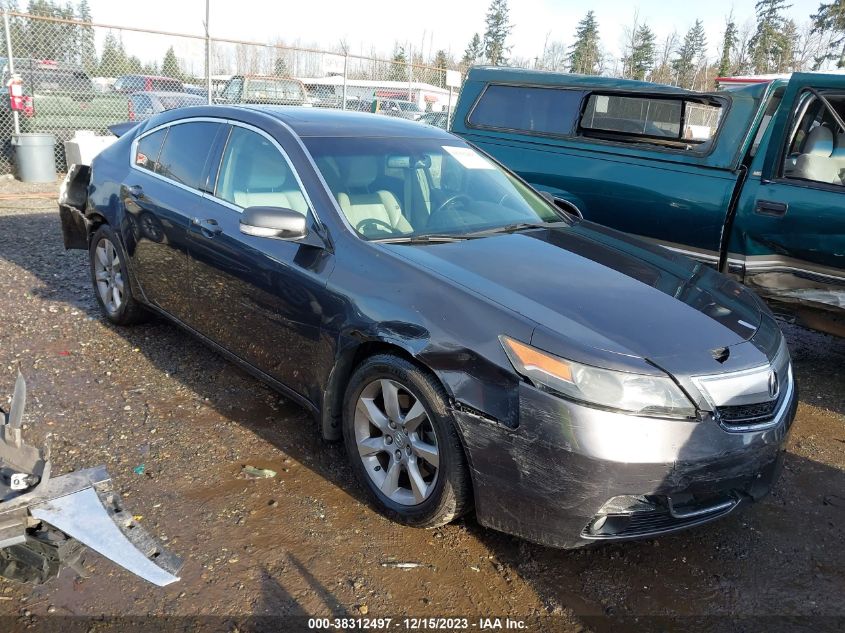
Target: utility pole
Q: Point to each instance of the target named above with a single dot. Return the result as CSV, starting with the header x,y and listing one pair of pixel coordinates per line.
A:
x,y
15,116
207,53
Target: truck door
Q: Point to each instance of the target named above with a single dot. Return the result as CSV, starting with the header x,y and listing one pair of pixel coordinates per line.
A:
x,y
789,234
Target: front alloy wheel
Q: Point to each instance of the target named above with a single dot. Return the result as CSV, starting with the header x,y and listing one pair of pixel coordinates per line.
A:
x,y
403,442
396,442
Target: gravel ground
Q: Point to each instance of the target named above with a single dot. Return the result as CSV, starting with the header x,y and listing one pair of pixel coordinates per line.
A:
x,y
305,543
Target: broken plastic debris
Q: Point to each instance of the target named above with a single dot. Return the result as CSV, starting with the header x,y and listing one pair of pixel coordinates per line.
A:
x,y
258,473
139,469
406,565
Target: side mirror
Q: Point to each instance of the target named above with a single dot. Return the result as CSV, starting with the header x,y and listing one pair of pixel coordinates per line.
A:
x,y
564,205
274,222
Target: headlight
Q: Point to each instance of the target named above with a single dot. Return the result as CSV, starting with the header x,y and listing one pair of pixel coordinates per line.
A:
x,y
656,396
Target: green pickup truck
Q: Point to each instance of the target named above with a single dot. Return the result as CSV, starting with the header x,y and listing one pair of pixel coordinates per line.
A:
x,y
751,181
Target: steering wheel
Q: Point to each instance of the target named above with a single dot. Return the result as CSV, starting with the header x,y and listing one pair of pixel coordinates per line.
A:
x,y
364,225
445,205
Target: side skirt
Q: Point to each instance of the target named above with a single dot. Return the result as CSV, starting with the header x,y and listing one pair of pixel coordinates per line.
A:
x,y
237,360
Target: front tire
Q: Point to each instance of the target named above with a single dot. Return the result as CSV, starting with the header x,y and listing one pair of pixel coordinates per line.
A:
x,y
403,444
110,278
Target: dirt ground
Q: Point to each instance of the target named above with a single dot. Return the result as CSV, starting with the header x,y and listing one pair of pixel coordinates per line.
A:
x,y
305,543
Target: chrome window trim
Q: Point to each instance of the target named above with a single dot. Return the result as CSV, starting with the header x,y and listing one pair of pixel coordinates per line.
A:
x,y
234,123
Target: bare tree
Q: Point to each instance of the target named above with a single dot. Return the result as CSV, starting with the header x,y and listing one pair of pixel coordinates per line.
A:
x,y
663,72
629,44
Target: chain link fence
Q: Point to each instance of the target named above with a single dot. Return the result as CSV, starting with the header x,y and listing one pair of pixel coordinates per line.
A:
x,y
81,75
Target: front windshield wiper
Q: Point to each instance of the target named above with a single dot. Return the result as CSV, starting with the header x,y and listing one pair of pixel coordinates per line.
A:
x,y
425,238
512,228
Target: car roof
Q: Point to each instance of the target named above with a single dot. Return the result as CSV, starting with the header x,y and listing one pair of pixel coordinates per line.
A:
x,y
311,122
328,122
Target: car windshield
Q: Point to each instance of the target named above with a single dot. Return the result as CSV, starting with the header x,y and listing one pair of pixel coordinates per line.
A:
x,y
407,187
407,106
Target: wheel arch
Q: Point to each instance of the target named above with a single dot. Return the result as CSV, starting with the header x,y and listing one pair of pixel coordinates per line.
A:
x,y
347,361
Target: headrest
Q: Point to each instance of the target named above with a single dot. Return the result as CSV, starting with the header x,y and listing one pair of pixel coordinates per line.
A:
x,y
819,142
361,171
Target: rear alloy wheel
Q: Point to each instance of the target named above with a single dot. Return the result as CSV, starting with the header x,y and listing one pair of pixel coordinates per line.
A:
x,y
110,278
403,445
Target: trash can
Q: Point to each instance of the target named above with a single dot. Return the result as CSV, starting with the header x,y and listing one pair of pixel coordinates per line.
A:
x,y
35,159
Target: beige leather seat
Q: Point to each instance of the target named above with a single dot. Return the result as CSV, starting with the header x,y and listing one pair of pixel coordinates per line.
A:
x,y
815,162
366,208
268,183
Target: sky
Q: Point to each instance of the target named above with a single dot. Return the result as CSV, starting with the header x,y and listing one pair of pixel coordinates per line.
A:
x,y
432,24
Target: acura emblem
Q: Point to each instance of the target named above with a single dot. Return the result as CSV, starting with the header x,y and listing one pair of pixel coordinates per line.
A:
x,y
773,384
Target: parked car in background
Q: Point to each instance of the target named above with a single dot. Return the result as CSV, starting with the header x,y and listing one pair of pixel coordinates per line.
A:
x,y
143,105
266,90
59,98
398,108
201,91
749,181
437,119
470,342
135,83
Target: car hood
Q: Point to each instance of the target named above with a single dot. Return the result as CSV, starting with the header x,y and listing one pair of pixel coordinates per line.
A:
x,y
600,289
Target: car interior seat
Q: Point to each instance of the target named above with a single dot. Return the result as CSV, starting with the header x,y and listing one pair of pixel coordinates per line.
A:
x,y
815,162
262,178
365,206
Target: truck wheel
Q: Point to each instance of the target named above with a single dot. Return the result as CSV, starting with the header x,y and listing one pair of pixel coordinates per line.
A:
x,y
110,278
403,444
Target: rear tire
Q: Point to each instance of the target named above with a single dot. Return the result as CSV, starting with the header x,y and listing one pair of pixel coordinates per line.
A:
x,y
403,444
110,278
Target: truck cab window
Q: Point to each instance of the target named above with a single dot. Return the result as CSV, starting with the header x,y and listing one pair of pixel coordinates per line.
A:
x,y
816,150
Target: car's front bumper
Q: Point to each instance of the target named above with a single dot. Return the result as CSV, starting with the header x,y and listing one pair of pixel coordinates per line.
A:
x,y
553,478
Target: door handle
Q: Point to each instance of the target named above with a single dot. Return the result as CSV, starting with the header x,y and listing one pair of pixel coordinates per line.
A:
x,y
209,226
136,191
774,209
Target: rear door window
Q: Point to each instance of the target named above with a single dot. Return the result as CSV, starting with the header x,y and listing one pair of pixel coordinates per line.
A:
x,y
185,151
552,111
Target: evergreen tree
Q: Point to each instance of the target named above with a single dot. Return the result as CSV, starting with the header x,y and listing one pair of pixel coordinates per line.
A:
x,y
585,54
496,33
473,51
280,67
729,41
87,49
170,65
690,55
831,18
768,43
641,59
441,63
113,61
399,65
789,40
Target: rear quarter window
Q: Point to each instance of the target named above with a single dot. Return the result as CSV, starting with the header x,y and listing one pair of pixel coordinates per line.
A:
x,y
148,148
552,111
